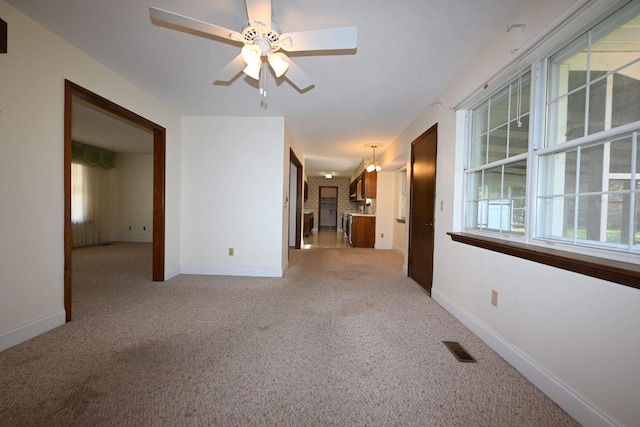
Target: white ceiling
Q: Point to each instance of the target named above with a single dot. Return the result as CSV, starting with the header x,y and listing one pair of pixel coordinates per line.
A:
x,y
408,52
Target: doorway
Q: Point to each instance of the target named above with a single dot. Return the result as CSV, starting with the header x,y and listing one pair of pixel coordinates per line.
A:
x,y
72,91
328,207
295,201
422,208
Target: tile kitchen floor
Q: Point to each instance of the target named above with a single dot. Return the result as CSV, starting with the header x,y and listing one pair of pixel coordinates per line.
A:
x,y
325,238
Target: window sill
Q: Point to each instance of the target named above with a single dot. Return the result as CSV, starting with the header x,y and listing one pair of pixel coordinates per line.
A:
x,y
624,273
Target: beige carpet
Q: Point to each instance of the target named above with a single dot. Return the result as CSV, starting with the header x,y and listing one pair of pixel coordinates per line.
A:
x,y
343,339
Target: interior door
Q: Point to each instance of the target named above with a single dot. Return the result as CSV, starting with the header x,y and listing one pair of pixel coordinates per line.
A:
x,y
422,208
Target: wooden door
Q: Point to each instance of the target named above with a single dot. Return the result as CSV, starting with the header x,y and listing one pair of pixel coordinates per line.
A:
x,y
422,207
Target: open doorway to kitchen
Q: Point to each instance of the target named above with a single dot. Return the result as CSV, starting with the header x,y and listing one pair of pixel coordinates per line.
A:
x,y
327,235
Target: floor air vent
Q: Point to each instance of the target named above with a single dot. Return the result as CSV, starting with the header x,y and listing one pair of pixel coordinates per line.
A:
x,y
459,352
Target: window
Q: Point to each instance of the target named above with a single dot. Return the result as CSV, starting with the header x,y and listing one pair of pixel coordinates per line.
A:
x,y
78,193
402,194
573,178
497,158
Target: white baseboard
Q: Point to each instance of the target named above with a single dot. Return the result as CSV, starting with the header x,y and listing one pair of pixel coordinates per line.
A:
x,y
31,329
171,273
398,249
226,271
135,239
581,410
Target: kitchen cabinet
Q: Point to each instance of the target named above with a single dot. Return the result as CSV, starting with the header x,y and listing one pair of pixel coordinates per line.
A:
x,y
364,187
362,233
370,184
308,224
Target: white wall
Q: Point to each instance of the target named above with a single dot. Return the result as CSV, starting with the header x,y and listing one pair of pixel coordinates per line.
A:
x,y
134,198
384,211
232,195
32,78
399,228
575,337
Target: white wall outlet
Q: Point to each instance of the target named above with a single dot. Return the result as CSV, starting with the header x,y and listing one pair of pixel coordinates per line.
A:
x,y
230,251
494,297
442,205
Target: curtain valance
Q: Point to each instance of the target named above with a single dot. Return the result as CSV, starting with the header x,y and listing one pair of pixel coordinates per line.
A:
x,y
93,156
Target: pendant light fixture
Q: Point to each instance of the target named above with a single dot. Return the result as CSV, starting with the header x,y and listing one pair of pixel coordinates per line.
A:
x,y
373,166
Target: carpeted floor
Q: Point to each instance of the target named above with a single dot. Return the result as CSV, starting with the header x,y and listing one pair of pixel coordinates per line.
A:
x,y
343,339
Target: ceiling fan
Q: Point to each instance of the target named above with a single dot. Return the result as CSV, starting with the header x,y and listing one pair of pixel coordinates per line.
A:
x,y
262,41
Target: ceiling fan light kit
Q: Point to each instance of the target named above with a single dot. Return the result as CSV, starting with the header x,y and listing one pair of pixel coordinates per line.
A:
x,y
261,41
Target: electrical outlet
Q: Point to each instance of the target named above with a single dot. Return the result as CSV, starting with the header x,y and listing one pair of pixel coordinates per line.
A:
x,y
129,228
144,228
494,297
382,235
442,205
230,251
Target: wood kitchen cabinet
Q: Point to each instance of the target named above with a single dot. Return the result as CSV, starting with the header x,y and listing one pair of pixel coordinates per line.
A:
x,y
370,184
363,231
365,186
308,224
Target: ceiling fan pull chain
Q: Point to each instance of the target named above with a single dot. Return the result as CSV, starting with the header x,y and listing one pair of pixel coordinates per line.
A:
x,y
263,78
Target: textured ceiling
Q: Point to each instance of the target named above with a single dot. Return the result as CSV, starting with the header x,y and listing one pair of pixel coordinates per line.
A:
x,y
408,52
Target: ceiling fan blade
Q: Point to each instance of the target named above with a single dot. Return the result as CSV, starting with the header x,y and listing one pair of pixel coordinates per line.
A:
x,y
259,13
327,39
230,70
193,24
295,75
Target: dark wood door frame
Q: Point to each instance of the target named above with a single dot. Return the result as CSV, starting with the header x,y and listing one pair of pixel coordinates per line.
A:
x,y
421,270
72,90
296,162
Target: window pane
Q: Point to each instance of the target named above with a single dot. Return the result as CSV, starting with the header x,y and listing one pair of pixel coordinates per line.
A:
x,y
474,186
525,97
591,162
499,109
557,174
589,217
498,144
626,93
618,218
478,151
556,218
598,100
514,191
575,115
620,156
493,183
519,136
473,210
480,119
